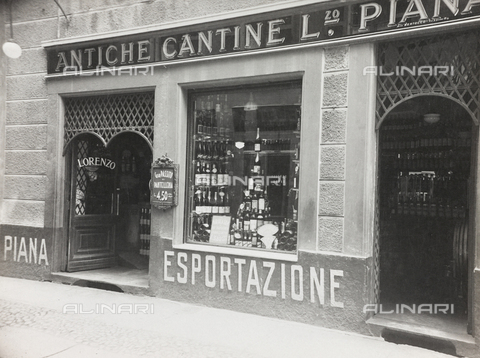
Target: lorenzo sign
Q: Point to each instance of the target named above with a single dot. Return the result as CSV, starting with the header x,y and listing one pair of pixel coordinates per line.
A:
x,y
305,25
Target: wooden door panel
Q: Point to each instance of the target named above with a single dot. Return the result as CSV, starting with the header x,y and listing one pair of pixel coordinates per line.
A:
x,y
93,244
92,226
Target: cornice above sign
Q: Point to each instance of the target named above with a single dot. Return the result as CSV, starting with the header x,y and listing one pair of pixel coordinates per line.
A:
x,y
264,31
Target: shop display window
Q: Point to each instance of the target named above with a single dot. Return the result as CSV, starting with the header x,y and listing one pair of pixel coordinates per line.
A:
x,y
244,162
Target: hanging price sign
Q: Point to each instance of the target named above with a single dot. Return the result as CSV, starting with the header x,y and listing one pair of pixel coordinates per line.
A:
x,y
163,186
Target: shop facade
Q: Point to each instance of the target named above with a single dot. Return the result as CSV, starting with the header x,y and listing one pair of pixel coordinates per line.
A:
x,y
315,162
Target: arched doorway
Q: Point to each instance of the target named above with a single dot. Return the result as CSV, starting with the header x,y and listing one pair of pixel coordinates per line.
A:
x,y
108,201
426,206
108,143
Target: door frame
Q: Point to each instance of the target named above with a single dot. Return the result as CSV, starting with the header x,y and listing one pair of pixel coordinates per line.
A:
x,y
473,205
92,223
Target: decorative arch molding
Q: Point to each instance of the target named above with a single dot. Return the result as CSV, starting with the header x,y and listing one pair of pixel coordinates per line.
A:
x,y
134,132
106,116
406,99
82,134
442,65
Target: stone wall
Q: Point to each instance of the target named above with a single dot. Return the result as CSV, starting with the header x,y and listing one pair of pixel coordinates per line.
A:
x,y
333,150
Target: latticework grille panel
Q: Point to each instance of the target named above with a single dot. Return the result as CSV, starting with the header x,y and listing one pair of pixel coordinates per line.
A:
x,y
452,69
81,181
108,115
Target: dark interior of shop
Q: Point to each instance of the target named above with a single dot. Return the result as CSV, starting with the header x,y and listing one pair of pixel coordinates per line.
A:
x,y
425,158
132,176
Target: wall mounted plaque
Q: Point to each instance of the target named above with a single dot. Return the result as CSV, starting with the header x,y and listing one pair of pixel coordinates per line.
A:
x,y
163,186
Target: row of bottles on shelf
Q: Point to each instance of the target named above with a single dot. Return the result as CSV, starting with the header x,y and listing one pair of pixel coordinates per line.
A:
x,y
145,228
212,116
213,162
428,194
426,206
420,143
209,123
213,149
285,238
426,143
212,197
422,135
271,144
252,213
432,161
414,124
212,200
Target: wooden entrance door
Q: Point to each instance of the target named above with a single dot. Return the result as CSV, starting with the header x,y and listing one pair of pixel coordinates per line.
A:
x,y
93,206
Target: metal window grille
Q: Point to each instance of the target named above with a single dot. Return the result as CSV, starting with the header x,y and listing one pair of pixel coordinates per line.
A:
x,y
81,180
109,115
446,65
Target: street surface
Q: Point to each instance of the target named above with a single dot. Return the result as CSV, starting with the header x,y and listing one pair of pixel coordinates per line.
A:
x,y
42,319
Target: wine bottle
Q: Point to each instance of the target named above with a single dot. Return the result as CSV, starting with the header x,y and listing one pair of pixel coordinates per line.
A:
x,y
239,218
214,174
247,200
260,218
198,173
254,201
253,220
221,200
203,201
207,125
258,141
226,202
214,200
207,151
261,201
246,224
250,184
296,175
200,122
255,240
297,151
207,173
198,150
214,149
257,165
208,200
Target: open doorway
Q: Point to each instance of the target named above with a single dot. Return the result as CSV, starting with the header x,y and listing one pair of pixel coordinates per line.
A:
x,y
426,205
134,158
109,210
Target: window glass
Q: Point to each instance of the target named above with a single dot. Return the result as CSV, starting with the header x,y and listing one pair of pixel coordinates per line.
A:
x,y
244,172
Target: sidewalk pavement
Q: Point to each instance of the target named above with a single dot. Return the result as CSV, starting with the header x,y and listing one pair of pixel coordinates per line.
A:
x,y
38,320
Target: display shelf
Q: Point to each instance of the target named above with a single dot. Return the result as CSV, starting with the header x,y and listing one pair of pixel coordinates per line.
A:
x,y
264,152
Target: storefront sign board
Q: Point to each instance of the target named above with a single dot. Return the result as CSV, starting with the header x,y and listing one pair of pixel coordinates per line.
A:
x,y
304,25
164,186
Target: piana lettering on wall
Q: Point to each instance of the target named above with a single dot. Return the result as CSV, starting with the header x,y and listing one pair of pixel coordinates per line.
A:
x,y
397,14
21,250
266,278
